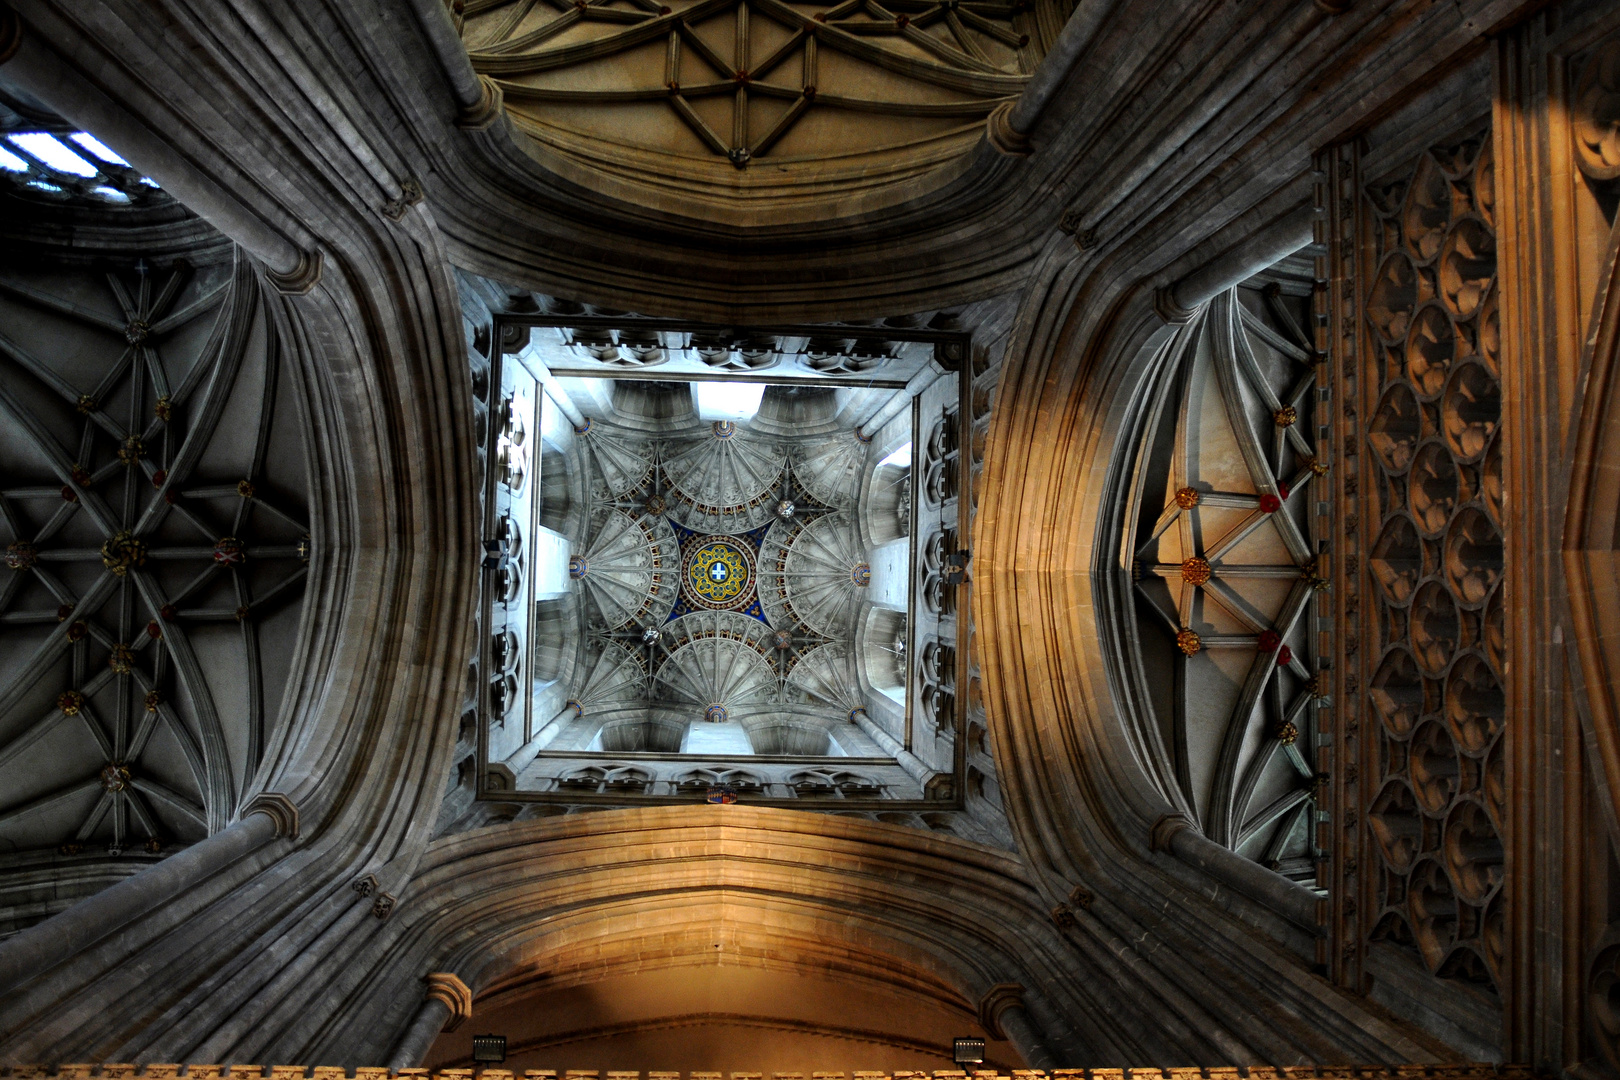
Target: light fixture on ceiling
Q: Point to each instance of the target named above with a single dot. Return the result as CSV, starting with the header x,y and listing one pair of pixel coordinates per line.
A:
x,y
967,1050
736,401
488,1049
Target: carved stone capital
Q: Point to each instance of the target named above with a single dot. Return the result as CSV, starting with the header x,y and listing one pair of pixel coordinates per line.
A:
x,y
278,808
447,987
1165,306
410,193
997,1000
490,106
1596,119
301,278
1165,829
1003,136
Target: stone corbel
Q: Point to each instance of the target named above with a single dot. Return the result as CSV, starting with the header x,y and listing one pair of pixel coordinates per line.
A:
x,y
410,193
1003,136
278,808
1165,829
490,105
1070,225
301,278
997,1000
447,988
1166,308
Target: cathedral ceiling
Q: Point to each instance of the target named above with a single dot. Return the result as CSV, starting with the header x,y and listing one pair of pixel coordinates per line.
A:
x,y
711,556
1125,949
756,104
155,510
1222,547
755,617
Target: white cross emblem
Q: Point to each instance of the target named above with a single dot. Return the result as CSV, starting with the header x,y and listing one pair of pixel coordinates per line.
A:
x,y
718,571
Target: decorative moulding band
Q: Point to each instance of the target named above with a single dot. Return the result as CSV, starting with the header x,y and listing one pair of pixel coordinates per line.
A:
x,y
1472,1071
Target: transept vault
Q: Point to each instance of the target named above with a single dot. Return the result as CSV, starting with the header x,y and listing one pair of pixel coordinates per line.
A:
x,y
772,535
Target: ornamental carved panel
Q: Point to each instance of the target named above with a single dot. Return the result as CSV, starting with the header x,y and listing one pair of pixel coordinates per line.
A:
x,y
1410,312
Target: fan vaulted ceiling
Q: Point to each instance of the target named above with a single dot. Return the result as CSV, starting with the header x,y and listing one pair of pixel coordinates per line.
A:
x,y
708,581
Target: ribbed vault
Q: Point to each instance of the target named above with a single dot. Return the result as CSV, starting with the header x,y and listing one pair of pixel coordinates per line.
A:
x,y
353,152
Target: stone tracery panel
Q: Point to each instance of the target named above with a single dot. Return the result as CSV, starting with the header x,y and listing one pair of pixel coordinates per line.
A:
x,y
1411,319
1436,691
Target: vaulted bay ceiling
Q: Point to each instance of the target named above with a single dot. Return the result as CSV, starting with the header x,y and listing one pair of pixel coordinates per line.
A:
x,y
757,106
154,516
1221,537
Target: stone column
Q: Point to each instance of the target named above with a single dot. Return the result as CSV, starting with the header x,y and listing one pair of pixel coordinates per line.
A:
x,y
1003,1015
57,81
1275,242
448,1003
45,945
1291,900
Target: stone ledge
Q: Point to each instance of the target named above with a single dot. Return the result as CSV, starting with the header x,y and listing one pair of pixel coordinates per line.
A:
x,y
113,1071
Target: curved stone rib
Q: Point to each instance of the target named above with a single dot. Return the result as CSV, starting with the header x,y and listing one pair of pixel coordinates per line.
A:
x,y
1271,812
46,654
51,798
219,792
238,316
170,798
197,307
1223,800
1225,352
62,307
61,464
